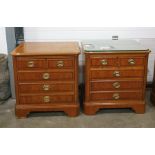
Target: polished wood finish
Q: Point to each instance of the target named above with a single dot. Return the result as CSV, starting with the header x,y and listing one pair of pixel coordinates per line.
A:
x,y
126,61
101,61
40,75
109,95
47,48
116,84
52,99
46,87
106,74
46,77
115,80
28,62
61,63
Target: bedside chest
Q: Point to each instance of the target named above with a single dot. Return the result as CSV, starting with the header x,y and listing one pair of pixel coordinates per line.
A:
x,y
115,75
46,77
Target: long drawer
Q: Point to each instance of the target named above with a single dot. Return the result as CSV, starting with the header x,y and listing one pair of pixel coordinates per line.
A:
x,y
45,76
45,99
119,95
116,85
103,74
29,88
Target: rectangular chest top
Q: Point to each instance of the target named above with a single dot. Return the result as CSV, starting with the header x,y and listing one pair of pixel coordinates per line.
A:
x,y
118,46
47,48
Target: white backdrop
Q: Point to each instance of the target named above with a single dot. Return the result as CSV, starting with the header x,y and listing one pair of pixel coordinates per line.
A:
x,y
46,33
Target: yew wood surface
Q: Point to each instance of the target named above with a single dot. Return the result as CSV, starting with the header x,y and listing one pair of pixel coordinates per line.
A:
x,y
57,59
47,48
99,79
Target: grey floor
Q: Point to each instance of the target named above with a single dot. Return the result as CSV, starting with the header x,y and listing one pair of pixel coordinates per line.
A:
x,y
109,118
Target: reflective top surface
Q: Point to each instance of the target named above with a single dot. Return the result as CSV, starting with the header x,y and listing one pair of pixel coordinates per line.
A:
x,y
112,45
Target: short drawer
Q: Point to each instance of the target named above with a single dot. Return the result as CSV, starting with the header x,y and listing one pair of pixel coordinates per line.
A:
x,y
116,85
60,63
30,63
29,88
116,95
132,61
103,61
45,76
103,74
46,99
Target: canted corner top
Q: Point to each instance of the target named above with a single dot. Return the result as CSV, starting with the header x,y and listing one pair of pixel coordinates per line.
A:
x,y
47,48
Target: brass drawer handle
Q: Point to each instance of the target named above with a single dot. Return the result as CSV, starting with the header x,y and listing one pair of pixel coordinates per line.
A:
x,y
30,64
46,87
104,62
46,76
116,85
46,99
116,96
60,64
131,61
116,73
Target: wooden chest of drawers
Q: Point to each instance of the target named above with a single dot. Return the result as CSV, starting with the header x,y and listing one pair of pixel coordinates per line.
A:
x,y
115,79
46,77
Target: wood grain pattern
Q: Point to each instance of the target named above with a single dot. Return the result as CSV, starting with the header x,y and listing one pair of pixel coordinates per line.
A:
x,y
139,61
116,85
39,99
46,77
97,61
23,64
48,87
47,48
102,74
38,76
118,82
64,63
123,95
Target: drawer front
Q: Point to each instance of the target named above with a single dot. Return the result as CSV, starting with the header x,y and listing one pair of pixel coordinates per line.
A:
x,y
116,96
103,62
30,63
131,61
60,63
29,88
103,74
46,99
116,85
45,76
